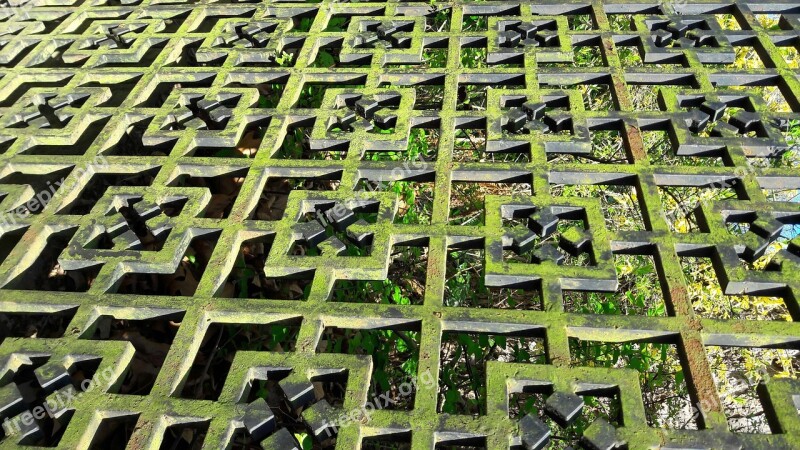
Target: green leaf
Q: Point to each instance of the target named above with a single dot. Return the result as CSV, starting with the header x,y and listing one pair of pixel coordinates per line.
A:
x,y
304,440
451,398
402,347
382,379
410,366
325,59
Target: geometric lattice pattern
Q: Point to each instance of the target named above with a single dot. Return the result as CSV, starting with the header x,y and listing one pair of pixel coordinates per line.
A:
x,y
181,175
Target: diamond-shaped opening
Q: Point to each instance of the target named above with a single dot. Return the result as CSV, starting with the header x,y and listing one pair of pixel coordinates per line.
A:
x,y
404,284
46,274
296,145
35,325
747,58
182,282
96,187
184,437
270,94
329,56
150,338
114,433
462,380
394,441
247,279
532,401
469,145
472,97
709,301
662,150
188,55
338,23
473,56
429,96
679,203
220,343
434,57
467,198
644,97
588,56
629,56
639,291
465,285
661,376
738,371
224,190
596,97
395,360
607,148
272,202
423,144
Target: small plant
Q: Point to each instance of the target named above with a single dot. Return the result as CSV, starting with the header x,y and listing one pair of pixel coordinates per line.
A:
x,y
473,57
